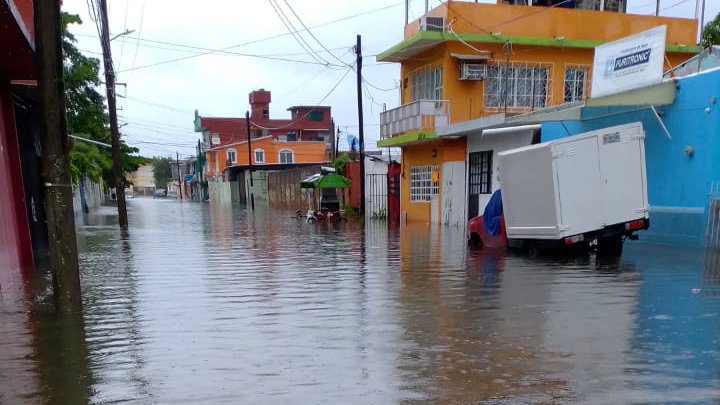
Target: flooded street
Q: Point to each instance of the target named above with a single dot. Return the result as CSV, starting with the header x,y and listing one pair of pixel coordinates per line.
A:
x,y
205,304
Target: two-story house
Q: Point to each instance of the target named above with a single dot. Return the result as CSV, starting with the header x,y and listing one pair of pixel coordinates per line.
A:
x,y
306,138
466,66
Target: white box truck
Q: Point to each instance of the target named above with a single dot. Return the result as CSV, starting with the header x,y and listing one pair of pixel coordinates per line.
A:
x,y
580,190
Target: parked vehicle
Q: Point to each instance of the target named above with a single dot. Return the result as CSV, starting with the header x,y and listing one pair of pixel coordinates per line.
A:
x,y
160,193
588,190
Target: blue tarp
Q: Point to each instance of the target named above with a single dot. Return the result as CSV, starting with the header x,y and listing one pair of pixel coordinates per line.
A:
x,y
492,214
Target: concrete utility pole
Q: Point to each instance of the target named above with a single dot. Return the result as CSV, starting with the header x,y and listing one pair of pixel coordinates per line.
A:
x,y
361,131
62,241
250,165
112,110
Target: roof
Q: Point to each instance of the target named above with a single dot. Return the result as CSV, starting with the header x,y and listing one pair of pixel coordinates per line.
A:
x,y
313,107
424,40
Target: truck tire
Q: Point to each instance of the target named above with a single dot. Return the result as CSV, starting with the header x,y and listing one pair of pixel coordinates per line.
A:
x,y
532,249
475,242
610,246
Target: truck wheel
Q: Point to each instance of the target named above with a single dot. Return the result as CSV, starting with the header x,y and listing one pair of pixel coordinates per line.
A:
x,y
475,242
611,246
533,250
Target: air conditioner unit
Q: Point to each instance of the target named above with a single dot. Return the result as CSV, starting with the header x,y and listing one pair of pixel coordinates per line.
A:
x,y
434,24
472,71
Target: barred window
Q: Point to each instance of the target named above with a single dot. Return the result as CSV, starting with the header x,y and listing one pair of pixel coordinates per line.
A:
x,y
523,85
480,176
575,83
427,83
422,186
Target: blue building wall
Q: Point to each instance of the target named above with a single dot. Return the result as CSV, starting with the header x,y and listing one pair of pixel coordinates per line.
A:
x,y
678,183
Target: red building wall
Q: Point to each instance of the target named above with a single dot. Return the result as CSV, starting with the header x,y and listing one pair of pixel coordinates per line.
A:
x,y
15,242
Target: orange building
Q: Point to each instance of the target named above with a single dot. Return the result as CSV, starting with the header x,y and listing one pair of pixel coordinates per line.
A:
x,y
465,64
307,138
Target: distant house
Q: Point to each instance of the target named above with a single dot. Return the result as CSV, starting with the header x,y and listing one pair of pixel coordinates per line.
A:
x,y
306,138
143,181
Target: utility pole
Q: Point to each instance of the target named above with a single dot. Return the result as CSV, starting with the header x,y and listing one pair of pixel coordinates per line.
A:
x,y
112,111
657,8
337,141
361,131
177,161
250,169
62,241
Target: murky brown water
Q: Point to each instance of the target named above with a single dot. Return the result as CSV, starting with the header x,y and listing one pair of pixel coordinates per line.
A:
x,y
201,304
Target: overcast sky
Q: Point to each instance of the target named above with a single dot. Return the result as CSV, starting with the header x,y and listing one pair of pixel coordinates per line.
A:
x,y
158,110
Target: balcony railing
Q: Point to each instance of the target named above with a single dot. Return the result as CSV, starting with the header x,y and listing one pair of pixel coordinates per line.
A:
x,y
421,115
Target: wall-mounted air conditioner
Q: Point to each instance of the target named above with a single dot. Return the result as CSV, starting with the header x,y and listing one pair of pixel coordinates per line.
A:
x,y
472,71
434,24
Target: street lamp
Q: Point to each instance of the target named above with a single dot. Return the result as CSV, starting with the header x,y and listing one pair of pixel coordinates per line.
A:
x,y
122,34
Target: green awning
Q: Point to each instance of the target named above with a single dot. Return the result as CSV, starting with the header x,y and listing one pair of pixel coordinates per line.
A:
x,y
406,139
330,180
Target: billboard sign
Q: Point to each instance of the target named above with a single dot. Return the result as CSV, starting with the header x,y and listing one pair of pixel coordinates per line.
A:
x,y
629,63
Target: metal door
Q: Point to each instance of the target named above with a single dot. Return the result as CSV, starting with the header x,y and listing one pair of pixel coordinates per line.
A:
x,y
479,180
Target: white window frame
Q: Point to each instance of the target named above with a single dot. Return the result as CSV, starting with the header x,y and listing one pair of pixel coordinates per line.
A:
x,y
227,156
422,186
427,83
576,83
262,154
528,85
292,156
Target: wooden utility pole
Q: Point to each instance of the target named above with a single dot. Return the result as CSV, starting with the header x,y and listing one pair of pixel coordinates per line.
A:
x,y
250,165
112,111
361,131
62,241
177,162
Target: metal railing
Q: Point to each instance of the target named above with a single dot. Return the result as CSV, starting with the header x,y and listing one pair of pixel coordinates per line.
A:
x,y
421,115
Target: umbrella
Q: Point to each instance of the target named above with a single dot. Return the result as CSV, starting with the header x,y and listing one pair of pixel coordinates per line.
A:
x,y
330,180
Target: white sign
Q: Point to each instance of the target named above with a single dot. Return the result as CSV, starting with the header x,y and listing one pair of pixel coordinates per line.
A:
x,y
629,63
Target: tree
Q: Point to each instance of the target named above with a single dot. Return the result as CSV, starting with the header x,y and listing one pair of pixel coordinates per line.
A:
x,y
711,33
162,171
86,117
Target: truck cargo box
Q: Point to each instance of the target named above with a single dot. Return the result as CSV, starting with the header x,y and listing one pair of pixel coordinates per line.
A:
x,y
575,185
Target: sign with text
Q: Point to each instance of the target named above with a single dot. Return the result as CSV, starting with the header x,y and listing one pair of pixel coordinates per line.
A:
x,y
629,63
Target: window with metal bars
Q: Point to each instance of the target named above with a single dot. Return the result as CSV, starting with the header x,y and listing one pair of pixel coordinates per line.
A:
x,y
427,83
575,84
422,186
480,174
519,85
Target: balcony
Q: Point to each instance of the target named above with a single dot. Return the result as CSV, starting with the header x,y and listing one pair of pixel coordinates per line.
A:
x,y
419,116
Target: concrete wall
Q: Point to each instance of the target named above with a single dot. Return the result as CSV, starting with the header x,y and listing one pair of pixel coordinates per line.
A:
x,y
93,196
496,143
678,182
220,191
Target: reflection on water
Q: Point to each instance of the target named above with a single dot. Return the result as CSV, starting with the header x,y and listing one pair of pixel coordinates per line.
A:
x,y
205,304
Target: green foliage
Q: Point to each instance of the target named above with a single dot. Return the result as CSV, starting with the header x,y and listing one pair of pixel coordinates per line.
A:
x,y
86,116
339,163
162,171
711,33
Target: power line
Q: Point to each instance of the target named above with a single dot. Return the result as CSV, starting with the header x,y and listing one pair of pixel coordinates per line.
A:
x,y
310,32
294,32
137,47
272,37
308,113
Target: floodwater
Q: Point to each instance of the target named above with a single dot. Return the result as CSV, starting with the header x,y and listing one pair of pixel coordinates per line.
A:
x,y
204,304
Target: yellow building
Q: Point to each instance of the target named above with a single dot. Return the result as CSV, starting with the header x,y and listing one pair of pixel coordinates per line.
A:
x,y
466,66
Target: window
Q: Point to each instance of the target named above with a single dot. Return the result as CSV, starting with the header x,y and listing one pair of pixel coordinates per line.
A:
x,y
259,156
291,136
286,156
315,116
520,85
575,83
422,186
231,156
427,83
266,113
480,173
